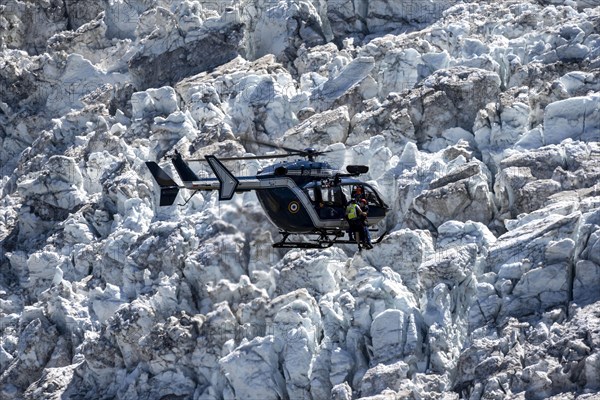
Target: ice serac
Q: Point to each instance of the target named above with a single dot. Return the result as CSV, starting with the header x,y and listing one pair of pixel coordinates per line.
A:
x,y
283,27
451,186
529,180
385,15
451,98
260,357
577,118
460,195
328,127
315,274
538,376
336,86
36,344
180,47
17,31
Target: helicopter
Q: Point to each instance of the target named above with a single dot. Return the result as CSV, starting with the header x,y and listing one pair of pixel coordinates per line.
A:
x,y
302,197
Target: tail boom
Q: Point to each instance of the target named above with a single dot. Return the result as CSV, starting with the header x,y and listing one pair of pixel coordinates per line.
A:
x,y
226,183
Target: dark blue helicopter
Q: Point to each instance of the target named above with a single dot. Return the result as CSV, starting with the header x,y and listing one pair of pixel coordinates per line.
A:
x,y
304,197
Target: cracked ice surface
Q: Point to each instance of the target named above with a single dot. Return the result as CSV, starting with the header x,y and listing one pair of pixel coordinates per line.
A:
x,y
480,123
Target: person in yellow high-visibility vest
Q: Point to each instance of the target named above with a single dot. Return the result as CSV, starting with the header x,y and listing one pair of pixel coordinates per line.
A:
x,y
353,215
366,237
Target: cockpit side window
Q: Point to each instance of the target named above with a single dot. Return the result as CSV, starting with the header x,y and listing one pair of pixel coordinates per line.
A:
x,y
372,198
362,191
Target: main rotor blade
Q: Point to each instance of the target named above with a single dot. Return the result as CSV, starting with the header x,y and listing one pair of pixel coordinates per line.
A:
x,y
265,157
273,145
305,152
309,152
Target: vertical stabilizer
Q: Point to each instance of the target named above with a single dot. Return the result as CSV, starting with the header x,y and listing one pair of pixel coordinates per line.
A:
x,y
184,171
228,182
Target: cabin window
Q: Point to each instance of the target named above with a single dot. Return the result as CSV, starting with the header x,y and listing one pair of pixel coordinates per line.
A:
x,y
347,191
334,196
310,192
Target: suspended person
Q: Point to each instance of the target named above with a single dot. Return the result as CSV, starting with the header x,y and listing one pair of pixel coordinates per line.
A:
x,y
353,215
366,235
357,194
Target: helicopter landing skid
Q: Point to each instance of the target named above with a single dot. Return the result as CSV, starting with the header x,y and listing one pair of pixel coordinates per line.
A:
x,y
322,242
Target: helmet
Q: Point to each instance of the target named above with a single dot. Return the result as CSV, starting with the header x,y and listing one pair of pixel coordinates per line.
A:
x,y
363,201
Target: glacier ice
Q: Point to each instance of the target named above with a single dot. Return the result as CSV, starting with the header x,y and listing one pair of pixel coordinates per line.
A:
x,y
480,123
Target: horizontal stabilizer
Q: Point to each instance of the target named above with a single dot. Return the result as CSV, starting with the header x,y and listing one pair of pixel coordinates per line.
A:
x,y
168,187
